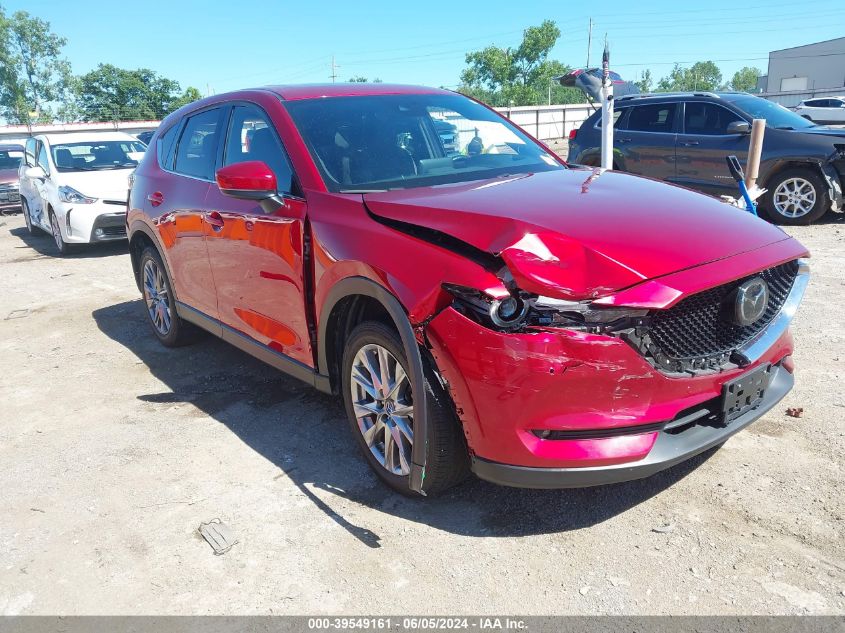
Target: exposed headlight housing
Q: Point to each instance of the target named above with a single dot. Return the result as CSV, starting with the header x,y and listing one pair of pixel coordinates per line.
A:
x,y
71,195
521,310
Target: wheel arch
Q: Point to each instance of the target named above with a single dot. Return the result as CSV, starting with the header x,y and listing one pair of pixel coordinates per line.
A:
x,y
824,169
140,237
349,302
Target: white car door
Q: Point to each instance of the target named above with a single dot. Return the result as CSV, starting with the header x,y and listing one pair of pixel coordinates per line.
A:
x,y
837,113
28,190
42,185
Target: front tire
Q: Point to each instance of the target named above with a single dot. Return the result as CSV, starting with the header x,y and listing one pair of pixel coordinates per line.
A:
x,y
379,403
159,303
796,196
63,247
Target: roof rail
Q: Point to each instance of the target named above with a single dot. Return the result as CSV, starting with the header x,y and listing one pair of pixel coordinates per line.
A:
x,y
664,95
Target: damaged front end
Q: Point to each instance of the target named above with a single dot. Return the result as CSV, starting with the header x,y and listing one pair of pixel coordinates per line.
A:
x,y
833,170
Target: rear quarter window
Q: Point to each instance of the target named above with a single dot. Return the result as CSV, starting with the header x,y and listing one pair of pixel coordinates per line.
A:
x,y
165,146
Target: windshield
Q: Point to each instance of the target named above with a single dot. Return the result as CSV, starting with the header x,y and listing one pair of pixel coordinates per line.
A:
x,y
775,114
10,159
403,141
97,155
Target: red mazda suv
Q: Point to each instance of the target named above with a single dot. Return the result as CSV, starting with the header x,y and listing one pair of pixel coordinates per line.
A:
x,y
479,307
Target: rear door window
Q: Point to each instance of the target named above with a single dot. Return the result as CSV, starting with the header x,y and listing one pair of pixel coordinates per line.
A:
x,y
654,117
253,137
197,152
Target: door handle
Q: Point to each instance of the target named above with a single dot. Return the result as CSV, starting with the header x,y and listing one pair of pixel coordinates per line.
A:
x,y
624,140
215,220
689,143
156,198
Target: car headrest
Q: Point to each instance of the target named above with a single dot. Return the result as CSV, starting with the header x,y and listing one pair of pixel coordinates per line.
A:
x,y
64,158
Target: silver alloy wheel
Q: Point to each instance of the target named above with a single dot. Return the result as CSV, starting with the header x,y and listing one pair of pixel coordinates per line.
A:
x,y
794,197
57,232
155,294
383,403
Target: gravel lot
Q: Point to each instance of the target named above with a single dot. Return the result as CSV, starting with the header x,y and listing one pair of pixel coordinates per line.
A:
x,y
114,449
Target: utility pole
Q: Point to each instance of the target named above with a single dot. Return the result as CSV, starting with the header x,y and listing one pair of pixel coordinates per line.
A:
x,y
589,41
334,70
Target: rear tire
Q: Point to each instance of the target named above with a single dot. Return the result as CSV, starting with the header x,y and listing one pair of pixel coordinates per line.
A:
x,y
30,227
795,196
375,345
160,305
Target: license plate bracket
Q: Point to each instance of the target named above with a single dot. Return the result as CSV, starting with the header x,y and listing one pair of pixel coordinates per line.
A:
x,y
744,393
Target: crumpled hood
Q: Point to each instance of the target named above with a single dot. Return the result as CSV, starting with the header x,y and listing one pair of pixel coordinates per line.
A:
x,y
106,184
581,233
821,130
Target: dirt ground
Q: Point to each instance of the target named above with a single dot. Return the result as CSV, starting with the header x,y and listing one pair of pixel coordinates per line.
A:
x,y
114,449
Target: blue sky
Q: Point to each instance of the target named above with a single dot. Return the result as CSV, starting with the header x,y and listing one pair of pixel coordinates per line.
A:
x,y
219,46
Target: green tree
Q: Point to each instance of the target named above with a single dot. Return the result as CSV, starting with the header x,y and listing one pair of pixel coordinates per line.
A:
x,y
362,80
34,76
190,95
699,76
646,83
520,76
109,93
745,79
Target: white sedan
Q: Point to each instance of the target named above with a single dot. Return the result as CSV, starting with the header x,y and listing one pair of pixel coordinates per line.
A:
x,y
75,186
827,110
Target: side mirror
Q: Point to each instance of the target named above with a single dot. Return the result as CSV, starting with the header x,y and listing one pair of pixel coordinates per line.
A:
x,y
252,180
738,127
34,173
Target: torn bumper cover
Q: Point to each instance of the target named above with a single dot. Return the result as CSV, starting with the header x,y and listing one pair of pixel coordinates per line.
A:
x,y
558,408
834,184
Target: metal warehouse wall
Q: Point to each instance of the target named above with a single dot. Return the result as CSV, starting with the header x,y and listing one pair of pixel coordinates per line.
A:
x,y
823,64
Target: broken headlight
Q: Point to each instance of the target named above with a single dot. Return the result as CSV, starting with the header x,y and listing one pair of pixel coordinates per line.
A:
x,y
520,310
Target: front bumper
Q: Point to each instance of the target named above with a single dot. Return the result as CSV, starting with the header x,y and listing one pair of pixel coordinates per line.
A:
x,y
10,199
667,450
97,222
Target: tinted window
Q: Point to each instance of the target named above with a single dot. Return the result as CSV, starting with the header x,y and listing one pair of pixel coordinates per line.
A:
x,y
775,114
618,118
97,155
394,141
815,103
165,145
29,155
657,117
707,118
43,163
197,152
10,159
252,137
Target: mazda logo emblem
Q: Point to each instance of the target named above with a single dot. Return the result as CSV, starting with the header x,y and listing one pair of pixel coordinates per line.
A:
x,y
752,299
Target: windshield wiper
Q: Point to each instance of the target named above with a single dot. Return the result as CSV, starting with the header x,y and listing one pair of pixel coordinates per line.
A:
x,y
363,190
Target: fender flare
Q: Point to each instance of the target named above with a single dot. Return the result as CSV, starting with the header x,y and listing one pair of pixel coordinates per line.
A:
x,y
369,288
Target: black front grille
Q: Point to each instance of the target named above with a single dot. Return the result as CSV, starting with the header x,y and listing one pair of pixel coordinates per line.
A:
x,y
699,334
113,231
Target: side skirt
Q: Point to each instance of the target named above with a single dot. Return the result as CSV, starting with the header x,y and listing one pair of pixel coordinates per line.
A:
x,y
252,347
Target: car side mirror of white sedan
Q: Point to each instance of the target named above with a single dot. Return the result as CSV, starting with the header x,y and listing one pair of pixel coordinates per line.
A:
x,y
34,173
